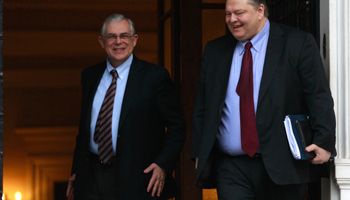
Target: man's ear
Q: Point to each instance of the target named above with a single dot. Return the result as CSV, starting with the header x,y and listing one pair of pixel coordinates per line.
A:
x,y
135,39
261,11
101,41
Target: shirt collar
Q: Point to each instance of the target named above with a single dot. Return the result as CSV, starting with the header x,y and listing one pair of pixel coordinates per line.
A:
x,y
121,69
258,40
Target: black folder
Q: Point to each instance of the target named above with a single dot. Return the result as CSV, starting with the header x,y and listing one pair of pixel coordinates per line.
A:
x,y
300,126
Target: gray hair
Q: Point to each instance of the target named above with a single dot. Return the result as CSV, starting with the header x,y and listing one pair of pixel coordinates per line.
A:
x,y
256,4
117,18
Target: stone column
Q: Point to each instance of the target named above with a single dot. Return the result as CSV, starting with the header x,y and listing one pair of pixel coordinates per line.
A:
x,y
339,40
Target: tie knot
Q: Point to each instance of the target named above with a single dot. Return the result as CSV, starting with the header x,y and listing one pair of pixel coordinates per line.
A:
x,y
248,46
114,73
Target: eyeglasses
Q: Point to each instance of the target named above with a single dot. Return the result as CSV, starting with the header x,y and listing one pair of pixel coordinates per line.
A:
x,y
113,37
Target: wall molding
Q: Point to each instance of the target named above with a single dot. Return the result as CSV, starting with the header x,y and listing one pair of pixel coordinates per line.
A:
x,y
340,85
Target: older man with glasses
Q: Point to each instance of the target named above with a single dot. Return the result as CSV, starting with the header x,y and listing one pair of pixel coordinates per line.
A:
x,y
131,129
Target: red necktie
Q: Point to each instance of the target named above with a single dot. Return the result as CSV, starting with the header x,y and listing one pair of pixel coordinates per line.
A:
x,y
103,130
249,133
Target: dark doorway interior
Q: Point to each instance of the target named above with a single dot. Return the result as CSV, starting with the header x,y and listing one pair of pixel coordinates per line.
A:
x,y
60,190
303,14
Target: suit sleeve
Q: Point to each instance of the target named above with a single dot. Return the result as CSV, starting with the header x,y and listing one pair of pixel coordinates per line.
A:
x,y
199,109
317,95
78,146
168,107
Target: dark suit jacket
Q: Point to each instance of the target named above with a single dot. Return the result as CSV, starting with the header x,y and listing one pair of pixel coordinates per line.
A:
x,y
149,106
293,82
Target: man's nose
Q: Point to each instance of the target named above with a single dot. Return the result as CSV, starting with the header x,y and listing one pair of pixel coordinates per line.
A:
x,y
233,18
118,40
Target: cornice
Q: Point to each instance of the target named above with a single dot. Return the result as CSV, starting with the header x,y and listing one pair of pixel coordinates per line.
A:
x,y
83,4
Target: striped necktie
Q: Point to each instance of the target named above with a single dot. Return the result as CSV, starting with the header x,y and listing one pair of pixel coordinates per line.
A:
x,y
103,130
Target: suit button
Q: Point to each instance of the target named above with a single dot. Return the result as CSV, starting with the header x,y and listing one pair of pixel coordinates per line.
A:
x,y
118,136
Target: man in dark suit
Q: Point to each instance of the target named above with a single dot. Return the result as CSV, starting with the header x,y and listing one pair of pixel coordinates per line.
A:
x,y
249,81
128,154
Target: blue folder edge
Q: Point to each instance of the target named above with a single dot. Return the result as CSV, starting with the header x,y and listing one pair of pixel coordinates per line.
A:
x,y
293,119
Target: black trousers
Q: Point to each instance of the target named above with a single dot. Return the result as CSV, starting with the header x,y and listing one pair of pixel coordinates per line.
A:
x,y
101,182
100,185
245,178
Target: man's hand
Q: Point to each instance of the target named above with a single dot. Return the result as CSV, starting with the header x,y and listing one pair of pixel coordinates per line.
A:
x,y
70,189
158,179
322,155
196,164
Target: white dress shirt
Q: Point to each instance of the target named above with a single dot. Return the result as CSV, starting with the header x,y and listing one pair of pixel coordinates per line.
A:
x,y
106,80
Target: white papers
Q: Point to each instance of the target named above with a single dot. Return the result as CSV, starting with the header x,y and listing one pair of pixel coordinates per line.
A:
x,y
291,139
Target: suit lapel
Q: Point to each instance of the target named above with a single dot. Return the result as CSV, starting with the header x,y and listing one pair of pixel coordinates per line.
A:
x,y
133,85
224,68
273,53
92,81
225,62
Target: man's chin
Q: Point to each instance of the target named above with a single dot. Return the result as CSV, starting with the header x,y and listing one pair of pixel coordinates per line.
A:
x,y
238,37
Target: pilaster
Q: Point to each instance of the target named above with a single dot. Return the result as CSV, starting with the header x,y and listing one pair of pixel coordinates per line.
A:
x,y
339,26
342,175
